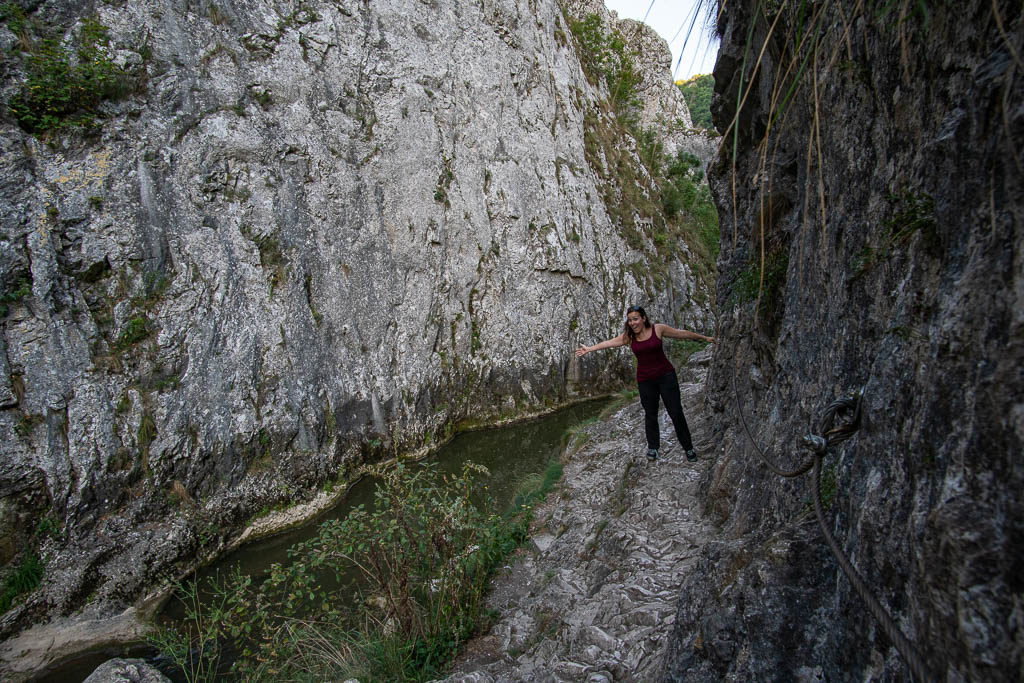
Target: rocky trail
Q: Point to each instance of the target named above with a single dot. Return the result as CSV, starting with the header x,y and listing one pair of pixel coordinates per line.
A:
x,y
593,596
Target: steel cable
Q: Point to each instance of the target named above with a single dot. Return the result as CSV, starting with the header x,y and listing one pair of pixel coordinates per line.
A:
x,y
782,473
819,444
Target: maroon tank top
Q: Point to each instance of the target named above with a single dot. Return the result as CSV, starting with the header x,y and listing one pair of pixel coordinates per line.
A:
x,y
651,362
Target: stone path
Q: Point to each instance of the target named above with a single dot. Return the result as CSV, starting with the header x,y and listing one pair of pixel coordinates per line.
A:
x,y
594,597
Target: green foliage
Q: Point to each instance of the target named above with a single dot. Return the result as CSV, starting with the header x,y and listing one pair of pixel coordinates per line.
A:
x,y
47,527
196,646
147,432
23,579
751,285
421,559
14,16
535,489
577,435
684,192
134,331
64,89
679,351
912,214
23,289
604,57
272,255
697,92
650,149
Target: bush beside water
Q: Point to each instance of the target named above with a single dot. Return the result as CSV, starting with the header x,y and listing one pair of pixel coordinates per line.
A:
x,y
423,557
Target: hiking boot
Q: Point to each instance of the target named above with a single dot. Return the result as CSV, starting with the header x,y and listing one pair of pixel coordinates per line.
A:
x,y
691,455
652,453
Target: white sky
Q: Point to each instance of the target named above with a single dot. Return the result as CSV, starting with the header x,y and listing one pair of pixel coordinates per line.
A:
x,y
672,19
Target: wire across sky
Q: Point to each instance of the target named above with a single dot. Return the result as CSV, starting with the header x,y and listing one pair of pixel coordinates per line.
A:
x,y
680,22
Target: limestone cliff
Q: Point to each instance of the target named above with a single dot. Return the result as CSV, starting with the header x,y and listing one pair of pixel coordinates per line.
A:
x,y
303,235
871,237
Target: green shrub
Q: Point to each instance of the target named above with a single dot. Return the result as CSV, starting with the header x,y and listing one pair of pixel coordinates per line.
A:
x,y
14,16
697,92
683,192
911,214
134,331
23,289
751,285
64,90
604,57
421,559
23,579
679,351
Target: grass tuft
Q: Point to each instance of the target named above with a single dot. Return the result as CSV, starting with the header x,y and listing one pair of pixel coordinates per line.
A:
x,y
23,579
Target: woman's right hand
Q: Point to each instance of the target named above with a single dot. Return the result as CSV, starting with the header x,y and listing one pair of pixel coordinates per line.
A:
x,y
582,351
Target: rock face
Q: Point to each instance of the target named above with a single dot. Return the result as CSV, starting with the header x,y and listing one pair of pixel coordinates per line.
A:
x,y
315,233
885,200
32,650
126,671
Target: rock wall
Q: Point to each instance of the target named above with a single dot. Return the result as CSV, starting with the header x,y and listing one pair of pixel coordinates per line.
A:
x,y
316,232
884,200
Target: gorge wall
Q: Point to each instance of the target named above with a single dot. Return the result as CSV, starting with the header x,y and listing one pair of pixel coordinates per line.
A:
x,y
310,233
871,237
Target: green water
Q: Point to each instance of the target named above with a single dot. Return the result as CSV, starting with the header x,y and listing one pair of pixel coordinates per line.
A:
x,y
510,453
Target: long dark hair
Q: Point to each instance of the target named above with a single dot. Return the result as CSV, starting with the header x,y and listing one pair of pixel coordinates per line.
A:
x,y
643,315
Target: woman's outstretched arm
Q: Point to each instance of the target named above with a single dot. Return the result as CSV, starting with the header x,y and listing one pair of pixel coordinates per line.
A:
x,y
663,331
606,344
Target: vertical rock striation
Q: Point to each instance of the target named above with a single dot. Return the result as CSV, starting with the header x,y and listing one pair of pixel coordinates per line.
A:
x,y
315,232
871,237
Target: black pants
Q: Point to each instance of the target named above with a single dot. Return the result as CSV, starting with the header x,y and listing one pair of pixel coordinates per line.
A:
x,y
667,388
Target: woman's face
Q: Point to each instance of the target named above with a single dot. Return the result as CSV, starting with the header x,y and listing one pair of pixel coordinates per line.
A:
x,y
635,322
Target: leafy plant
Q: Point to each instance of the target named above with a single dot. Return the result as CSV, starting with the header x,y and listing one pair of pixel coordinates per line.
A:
x,y
134,331
680,350
764,285
604,57
697,92
23,579
912,214
64,89
23,289
14,16
146,432
444,183
196,646
419,562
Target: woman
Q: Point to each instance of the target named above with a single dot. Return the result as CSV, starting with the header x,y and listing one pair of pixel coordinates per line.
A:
x,y
655,375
